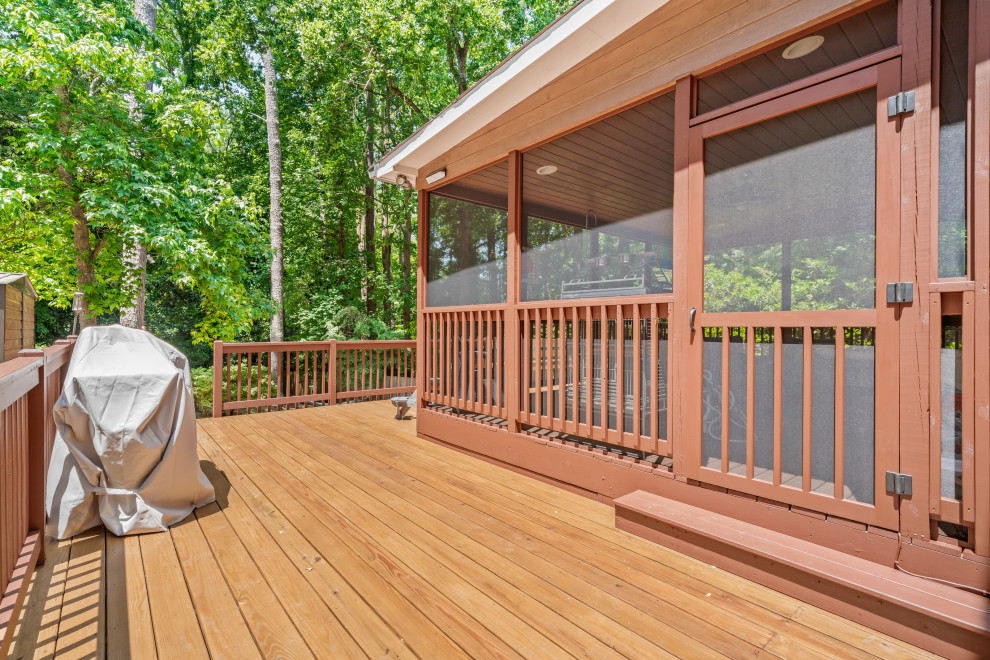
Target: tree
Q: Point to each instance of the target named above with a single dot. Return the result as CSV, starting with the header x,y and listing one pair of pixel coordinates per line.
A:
x,y
275,196
349,79
136,253
88,175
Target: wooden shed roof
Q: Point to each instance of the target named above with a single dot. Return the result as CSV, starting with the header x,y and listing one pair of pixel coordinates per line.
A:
x,y
20,281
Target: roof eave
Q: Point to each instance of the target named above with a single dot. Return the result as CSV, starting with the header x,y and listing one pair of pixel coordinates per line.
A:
x,y
577,34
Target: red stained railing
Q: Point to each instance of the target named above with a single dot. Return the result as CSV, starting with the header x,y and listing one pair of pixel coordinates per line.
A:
x,y
575,362
465,367
265,376
29,387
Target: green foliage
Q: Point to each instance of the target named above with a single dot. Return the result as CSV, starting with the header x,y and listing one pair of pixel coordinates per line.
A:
x,y
202,386
108,140
165,140
328,317
50,323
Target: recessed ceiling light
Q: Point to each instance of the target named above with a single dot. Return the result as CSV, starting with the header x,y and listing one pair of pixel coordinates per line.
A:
x,y
546,169
802,47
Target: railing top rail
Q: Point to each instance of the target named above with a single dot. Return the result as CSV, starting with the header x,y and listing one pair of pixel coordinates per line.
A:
x,y
57,355
13,370
254,347
19,375
378,343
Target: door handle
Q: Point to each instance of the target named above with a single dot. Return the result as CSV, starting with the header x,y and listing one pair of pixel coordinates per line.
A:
x,y
691,315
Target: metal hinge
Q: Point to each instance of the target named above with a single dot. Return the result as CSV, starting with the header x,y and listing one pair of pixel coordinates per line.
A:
x,y
900,103
899,484
900,292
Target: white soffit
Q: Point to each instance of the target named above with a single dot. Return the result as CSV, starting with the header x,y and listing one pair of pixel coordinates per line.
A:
x,y
577,34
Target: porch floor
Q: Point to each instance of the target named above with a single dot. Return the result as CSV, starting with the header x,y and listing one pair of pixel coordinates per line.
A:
x,y
337,532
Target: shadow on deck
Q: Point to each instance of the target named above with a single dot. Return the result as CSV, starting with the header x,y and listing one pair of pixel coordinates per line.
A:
x,y
338,533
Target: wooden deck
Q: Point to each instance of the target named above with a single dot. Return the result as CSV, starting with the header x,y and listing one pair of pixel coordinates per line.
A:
x,y
338,533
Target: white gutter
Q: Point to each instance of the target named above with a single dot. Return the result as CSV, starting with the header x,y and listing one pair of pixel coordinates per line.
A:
x,y
580,32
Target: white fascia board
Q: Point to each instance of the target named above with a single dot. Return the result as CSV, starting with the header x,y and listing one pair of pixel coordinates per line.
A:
x,y
583,30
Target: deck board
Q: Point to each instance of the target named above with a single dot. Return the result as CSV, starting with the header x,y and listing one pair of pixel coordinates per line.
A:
x,y
338,533
130,633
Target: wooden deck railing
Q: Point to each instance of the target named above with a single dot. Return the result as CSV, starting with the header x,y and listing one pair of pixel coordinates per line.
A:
x,y
264,376
572,368
29,386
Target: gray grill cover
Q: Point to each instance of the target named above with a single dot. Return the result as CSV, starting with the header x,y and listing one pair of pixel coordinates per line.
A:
x,y
125,444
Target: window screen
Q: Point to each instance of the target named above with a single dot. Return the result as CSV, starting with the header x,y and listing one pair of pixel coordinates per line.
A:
x,y
468,234
952,100
598,208
790,211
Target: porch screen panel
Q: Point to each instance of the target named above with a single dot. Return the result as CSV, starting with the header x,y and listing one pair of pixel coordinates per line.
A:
x,y
953,88
792,402
763,404
790,211
859,414
711,435
738,413
823,410
857,36
468,240
951,405
598,208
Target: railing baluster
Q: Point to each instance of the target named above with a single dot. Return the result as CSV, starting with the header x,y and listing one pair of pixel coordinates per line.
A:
x,y
305,375
840,410
230,371
589,417
637,373
778,402
726,391
538,406
750,401
250,396
654,389
575,413
603,371
526,367
561,369
239,397
472,362
269,378
620,373
806,415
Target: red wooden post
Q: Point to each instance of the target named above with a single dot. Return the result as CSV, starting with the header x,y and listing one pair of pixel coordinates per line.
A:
x,y
217,380
510,362
37,465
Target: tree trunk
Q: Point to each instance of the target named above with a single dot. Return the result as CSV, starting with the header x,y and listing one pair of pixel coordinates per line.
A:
x,y
370,258
457,54
84,253
407,270
275,191
387,270
136,254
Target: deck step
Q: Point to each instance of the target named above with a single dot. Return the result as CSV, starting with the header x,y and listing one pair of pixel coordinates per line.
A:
x,y
943,619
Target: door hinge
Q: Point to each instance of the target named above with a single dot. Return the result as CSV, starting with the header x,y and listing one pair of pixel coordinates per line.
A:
x,y
900,292
899,484
900,103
